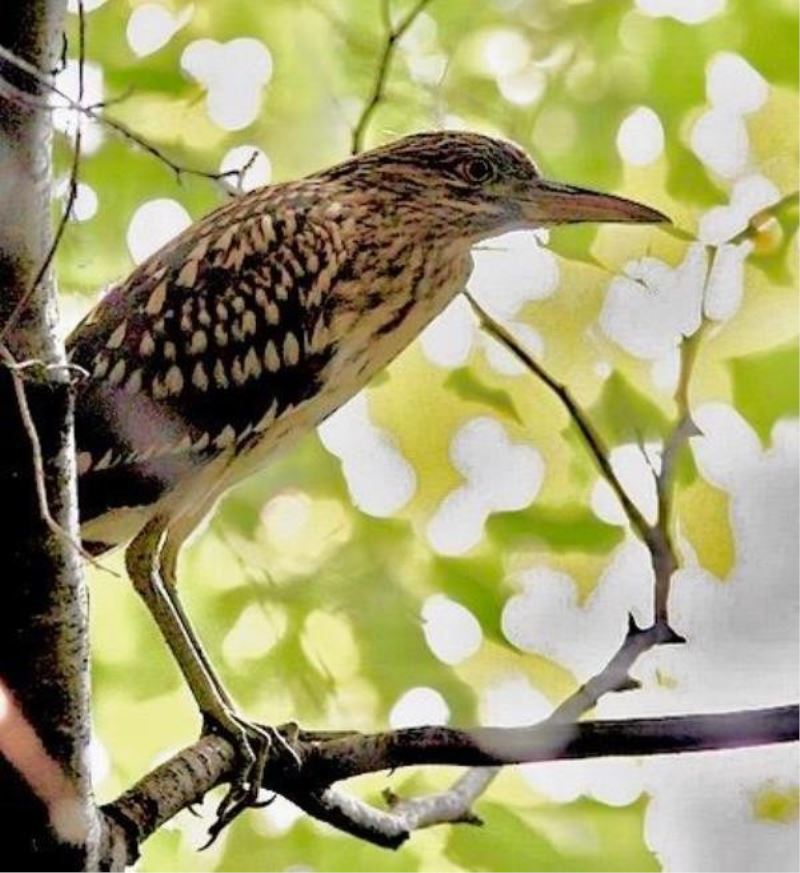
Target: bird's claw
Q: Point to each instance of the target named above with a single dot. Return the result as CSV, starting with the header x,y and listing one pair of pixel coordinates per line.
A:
x,y
253,743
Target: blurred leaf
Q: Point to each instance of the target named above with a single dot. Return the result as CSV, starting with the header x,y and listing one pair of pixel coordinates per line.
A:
x,y
584,835
466,385
624,414
476,582
765,387
704,515
562,528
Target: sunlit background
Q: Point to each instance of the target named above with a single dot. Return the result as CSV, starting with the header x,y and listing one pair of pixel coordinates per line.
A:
x,y
443,550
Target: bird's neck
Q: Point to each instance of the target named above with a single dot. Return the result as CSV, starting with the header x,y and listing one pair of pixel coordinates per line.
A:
x,y
389,293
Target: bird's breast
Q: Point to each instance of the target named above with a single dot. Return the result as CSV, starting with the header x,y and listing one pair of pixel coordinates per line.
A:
x,y
377,314
374,315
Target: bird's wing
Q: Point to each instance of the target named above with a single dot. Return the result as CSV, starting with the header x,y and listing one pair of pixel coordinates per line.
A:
x,y
207,344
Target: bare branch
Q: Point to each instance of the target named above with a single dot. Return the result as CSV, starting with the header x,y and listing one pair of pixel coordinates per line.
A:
x,y
683,428
615,676
393,35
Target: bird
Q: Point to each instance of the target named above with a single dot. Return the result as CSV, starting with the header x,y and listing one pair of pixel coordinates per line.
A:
x,y
257,322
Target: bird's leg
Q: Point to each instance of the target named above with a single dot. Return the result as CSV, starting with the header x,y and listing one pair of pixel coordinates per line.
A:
x,y
252,742
168,564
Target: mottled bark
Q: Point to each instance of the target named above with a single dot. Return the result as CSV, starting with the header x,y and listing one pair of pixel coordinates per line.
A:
x,y
46,812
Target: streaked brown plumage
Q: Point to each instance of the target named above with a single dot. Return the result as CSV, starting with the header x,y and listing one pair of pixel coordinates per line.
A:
x,y
264,317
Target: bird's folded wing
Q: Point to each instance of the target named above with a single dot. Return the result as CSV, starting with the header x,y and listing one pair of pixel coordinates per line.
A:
x,y
206,345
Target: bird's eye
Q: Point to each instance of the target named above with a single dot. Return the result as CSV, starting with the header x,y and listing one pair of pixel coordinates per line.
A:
x,y
477,170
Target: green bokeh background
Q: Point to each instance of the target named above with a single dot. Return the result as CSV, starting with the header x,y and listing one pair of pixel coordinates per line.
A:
x,y
324,625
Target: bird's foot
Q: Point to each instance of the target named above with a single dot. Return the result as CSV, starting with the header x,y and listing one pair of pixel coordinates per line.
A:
x,y
254,744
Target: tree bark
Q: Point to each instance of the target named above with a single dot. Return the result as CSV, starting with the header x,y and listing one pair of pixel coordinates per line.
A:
x,y
47,816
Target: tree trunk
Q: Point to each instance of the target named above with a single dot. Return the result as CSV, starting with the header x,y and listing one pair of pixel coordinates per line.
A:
x,y
47,818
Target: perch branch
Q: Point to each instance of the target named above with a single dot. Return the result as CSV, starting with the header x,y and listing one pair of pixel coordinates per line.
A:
x,y
189,775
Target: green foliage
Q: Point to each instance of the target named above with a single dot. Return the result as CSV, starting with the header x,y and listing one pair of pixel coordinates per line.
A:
x,y
468,387
625,414
561,528
765,387
584,835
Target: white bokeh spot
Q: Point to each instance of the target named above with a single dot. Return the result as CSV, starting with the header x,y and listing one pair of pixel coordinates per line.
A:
x,y
452,632
732,83
512,269
685,11
633,465
234,74
545,616
725,286
505,52
151,26
153,225
513,702
523,87
65,118
380,480
447,341
701,811
84,207
749,196
88,5
417,707
498,476
258,170
652,306
640,138
451,337
719,136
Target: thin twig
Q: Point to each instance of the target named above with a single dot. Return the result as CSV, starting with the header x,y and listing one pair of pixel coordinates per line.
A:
x,y
91,112
39,475
393,36
594,442
37,363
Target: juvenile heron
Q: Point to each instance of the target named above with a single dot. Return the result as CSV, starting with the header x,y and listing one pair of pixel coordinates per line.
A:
x,y
257,322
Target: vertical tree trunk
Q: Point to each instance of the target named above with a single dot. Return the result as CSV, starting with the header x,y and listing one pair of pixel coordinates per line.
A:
x,y
46,810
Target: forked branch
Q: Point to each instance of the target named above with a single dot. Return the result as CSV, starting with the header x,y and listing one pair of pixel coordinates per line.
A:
x,y
326,760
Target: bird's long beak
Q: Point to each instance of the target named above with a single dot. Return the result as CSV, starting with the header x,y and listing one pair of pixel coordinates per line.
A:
x,y
549,202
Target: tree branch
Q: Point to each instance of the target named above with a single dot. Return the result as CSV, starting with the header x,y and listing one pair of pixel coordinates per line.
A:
x,y
189,775
665,561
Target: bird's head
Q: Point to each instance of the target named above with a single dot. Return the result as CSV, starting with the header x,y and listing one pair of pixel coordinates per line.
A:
x,y
476,186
